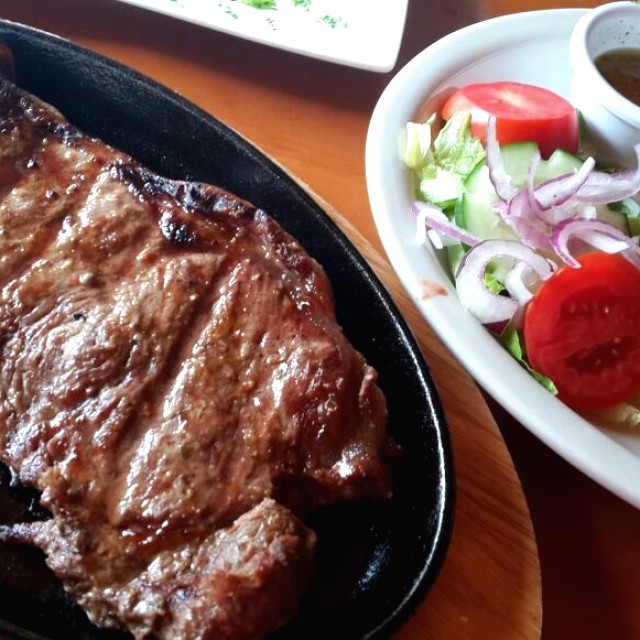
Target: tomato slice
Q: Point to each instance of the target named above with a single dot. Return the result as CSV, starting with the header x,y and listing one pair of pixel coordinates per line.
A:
x,y
523,112
581,330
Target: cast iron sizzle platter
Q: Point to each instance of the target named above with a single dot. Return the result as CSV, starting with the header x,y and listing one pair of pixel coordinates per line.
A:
x,y
376,561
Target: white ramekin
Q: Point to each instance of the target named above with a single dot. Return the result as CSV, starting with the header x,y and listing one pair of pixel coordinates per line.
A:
x,y
612,122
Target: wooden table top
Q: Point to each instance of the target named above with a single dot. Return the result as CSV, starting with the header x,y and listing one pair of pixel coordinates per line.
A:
x,y
534,539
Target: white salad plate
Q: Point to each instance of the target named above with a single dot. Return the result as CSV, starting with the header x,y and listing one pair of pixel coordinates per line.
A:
x,y
359,33
528,47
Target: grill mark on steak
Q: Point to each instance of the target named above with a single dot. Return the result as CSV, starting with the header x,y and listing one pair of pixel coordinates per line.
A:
x,y
174,381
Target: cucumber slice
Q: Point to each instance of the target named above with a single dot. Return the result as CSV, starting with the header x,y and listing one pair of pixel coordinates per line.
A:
x,y
560,163
629,209
516,159
442,188
455,253
475,214
478,180
634,225
614,218
474,207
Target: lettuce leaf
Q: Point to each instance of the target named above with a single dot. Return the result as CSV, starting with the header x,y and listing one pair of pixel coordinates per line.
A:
x,y
442,165
511,341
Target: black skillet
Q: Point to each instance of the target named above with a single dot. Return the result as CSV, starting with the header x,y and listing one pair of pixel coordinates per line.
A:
x,y
376,562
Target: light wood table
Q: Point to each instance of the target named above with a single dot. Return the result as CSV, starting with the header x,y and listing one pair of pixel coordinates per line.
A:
x,y
312,117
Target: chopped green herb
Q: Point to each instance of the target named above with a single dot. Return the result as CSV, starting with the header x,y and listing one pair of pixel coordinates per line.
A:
x,y
227,9
261,4
332,21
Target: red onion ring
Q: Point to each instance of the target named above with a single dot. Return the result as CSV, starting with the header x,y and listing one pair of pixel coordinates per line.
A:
x,y
488,307
595,233
438,221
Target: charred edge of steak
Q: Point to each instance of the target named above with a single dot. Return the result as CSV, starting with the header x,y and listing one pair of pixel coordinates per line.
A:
x,y
194,198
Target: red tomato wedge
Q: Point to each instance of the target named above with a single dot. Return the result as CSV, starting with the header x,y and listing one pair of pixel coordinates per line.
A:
x,y
582,330
523,112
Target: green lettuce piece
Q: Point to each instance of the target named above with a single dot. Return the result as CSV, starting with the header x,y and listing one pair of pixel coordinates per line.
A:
x,y
492,282
455,149
439,186
510,340
417,152
441,165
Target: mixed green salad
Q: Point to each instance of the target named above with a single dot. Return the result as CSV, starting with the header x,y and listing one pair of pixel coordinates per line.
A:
x,y
541,241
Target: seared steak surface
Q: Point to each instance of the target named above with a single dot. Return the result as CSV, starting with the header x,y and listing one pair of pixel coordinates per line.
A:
x,y
174,381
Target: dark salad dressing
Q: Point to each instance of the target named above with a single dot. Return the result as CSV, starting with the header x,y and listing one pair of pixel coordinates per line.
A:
x,y
621,69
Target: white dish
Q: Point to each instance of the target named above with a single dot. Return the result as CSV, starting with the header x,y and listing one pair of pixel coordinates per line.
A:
x,y
528,47
612,121
357,33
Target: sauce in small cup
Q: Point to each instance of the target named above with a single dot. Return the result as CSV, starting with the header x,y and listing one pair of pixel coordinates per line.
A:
x,y
621,69
605,56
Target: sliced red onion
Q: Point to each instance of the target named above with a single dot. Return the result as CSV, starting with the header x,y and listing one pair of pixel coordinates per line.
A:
x,y
533,168
521,216
631,254
557,191
587,212
438,221
603,188
535,212
488,307
596,233
521,209
498,176
521,282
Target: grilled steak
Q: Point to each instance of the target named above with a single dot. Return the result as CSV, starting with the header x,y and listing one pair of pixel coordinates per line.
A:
x,y
174,381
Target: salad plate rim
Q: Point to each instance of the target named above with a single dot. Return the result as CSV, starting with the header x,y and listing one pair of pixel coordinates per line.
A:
x,y
591,449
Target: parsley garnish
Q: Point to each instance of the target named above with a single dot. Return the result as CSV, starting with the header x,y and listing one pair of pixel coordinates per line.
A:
x,y
261,4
